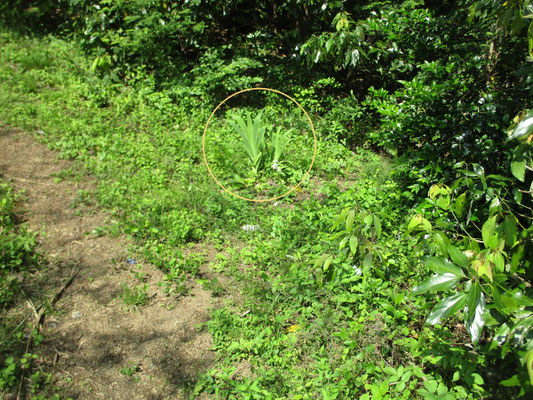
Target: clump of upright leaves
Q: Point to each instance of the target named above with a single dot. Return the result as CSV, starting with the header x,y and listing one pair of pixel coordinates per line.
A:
x,y
263,144
252,133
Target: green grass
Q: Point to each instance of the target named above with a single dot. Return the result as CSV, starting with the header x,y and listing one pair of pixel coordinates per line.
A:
x,y
308,329
134,297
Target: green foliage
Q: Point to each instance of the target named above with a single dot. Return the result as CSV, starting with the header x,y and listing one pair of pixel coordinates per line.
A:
x,y
512,16
131,370
263,144
216,75
325,313
135,296
17,246
32,16
486,272
252,134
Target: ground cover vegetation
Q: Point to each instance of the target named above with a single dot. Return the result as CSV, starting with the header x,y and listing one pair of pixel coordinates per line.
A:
x,y
21,280
422,182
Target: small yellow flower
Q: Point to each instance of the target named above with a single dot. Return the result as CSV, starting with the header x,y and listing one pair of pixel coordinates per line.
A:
x,y
293,328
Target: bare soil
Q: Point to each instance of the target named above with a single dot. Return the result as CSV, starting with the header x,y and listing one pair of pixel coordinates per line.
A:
x,y
89,335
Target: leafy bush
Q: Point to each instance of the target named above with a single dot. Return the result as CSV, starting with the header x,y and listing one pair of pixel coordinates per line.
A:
x,y
480,237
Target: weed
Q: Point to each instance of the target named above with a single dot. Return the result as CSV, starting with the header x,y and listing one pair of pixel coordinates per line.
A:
x,y
252,133
134,297
212,285
131,370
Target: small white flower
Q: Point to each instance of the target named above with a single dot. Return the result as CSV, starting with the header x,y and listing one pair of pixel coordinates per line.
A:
x,y
289,256
275,165
250,228
357,270
276,204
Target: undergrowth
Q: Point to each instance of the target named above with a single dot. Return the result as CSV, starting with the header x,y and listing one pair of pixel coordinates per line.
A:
x,y
325,310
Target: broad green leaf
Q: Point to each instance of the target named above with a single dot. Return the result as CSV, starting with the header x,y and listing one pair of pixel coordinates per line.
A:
x,y
530,39
377,225
320,260
500,336
518,167
509,230
525,127
431,386
488,230
512,381
522,299
329,43
327,263
367,261
340,218
444,202
441,265
349,220
343,242
442,243
434,190
483,267
494,206
460,203
418,222
529,364
499,262
384,387
353,244
504,302
446,307
437,282
517,195
517,257
457,256
476,307
479,171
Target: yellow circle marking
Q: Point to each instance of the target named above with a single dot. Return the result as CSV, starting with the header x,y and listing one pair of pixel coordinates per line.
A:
x,y
205,156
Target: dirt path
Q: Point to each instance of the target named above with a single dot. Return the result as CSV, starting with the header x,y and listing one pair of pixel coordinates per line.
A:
x,y
91,337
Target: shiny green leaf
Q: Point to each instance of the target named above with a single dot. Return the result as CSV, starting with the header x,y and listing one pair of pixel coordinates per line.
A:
x,y
488,230
509,230
446,307
327,263
442,243
340,218
460,203
418,222
522,299
525,127
441,265
353,244
500,336
529,364
457,256
476,307
437,282
349,220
